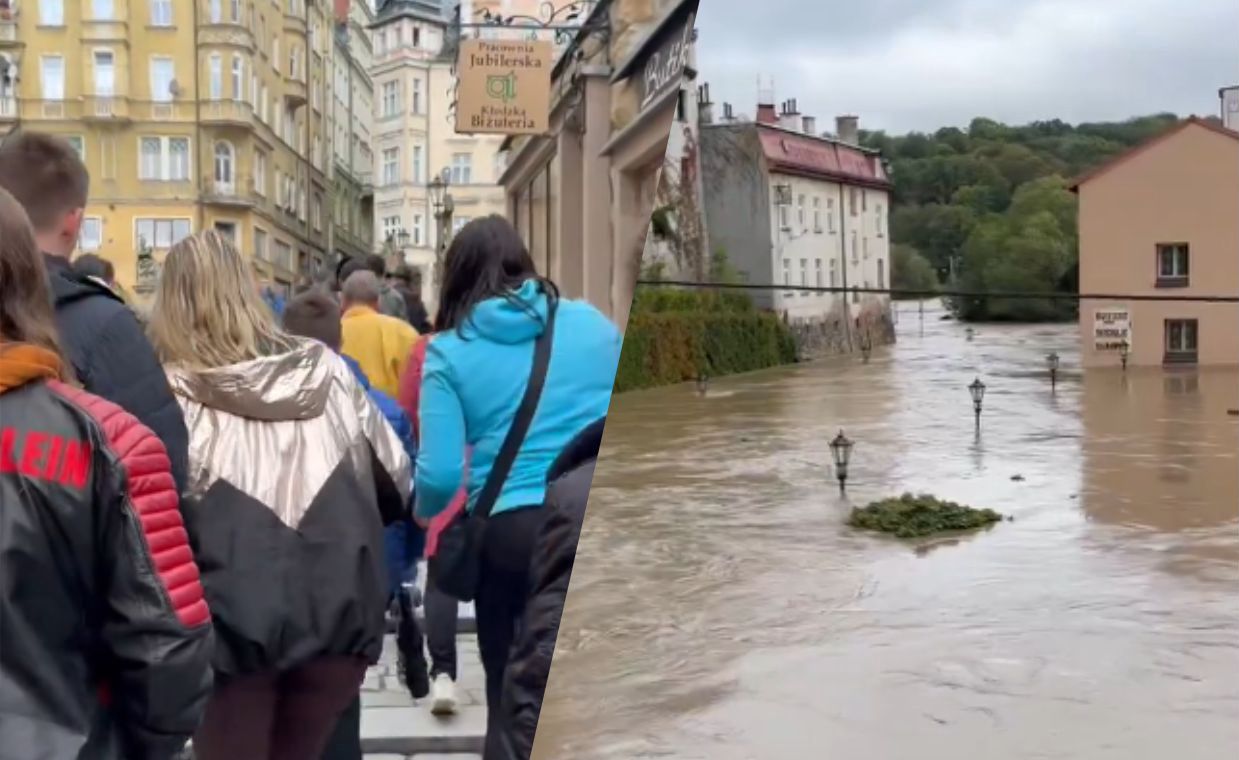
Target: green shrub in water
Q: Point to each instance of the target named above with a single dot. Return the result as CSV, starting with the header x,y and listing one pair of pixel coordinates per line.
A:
x,y
911,516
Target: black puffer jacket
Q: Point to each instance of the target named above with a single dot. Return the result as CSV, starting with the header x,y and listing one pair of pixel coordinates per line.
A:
x,y
112,358
525,679
105,638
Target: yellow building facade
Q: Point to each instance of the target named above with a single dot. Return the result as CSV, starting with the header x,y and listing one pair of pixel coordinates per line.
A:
x,y
189,115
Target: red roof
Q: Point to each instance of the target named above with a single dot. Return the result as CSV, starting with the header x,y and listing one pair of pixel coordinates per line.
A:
x,y
1148,144
794,153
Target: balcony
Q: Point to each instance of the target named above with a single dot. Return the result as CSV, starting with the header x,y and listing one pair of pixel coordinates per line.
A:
x,y
51,110
162,110
114,108
234,194
8,109
227,113
8,32
223,30
113,30
295,92
294,24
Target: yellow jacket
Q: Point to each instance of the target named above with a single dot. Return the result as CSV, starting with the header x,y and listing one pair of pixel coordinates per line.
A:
x,y
379,343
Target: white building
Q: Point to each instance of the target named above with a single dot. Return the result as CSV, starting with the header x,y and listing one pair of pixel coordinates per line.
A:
x,y
1230,107
792,208
353,118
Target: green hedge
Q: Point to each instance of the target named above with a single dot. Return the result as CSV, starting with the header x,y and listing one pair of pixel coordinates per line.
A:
x,y
666,346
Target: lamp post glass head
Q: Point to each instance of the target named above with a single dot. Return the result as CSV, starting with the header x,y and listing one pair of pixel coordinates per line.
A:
x,y
841,453
977,389
437,189
1124,352
703,383
1052,360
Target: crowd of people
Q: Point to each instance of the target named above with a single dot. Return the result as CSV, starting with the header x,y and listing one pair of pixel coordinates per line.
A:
x,y
210,512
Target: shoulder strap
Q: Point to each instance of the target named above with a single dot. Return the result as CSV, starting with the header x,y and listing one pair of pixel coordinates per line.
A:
x,y
524,417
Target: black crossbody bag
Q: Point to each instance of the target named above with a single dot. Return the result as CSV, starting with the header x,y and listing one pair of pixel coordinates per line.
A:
x,y
456,566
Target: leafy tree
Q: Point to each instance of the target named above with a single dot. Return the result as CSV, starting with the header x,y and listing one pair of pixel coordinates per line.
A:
x,y
910,270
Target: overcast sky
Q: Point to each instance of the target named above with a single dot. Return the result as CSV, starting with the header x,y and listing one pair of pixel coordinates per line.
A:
x,y
922,64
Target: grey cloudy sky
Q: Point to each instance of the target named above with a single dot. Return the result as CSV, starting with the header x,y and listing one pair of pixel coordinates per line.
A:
x,y
922,64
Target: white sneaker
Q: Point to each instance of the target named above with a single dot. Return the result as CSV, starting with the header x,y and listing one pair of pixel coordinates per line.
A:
x,y
443,695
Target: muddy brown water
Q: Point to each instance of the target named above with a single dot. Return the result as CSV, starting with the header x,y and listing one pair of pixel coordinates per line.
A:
x,y
721,610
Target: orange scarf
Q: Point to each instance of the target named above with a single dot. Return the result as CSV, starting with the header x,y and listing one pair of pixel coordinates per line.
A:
x,y
21,363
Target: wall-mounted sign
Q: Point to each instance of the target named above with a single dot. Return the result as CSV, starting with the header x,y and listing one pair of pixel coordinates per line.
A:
x,y
1111,329
664,68
504,87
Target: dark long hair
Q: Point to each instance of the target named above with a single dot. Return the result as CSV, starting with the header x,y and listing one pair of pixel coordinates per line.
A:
x,y
487,259
26,314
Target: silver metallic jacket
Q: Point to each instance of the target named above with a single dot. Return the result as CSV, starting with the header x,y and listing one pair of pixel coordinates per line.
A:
x,y
276,428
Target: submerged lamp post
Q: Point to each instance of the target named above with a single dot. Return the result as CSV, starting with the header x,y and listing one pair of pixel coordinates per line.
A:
x,y
841,453
866,347
977,389
703,383
1052,361
1124,353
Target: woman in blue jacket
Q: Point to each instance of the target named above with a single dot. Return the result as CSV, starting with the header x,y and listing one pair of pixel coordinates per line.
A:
x,y
493,305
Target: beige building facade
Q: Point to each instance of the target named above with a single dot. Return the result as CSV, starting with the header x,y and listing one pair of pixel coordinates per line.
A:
x,y
352,181
1162,220
581,195
189,115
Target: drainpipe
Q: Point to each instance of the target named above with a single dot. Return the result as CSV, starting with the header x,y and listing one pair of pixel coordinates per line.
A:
x,y
843,250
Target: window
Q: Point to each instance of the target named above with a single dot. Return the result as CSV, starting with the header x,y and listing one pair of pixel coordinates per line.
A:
x,y
160,234
804,273
224,166
294,57
163,158
864,247
234,11
787,271
52,12
260,173
1173,261
784,221
462,168
275,54
163,73
417,229
78,145
817,215
215,77
391,98
834,274
238,78
90,236
260,243
855,249
52,77
417,96
161,13
852,198
416,167
881,273
228,230
1181,341
316,211
283,255
818,272
102,10
105,73
391,166
800,211
830,215
864,201
391,227
879,222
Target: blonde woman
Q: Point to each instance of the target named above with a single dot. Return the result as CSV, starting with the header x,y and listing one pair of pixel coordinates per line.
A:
x,y
293,473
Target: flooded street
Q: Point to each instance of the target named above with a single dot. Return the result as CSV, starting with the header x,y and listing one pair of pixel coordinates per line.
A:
x,y
721,609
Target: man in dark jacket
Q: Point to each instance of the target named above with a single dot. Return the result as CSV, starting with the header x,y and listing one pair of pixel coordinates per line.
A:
x,y
525,678
110,354
408,283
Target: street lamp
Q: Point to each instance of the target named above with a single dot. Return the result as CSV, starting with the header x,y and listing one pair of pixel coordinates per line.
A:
x,y
1124,353
703,383
441,199
1052,361
977,389
841,453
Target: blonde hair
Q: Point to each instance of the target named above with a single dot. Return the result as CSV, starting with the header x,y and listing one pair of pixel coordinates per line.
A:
x,y
26,314
208,312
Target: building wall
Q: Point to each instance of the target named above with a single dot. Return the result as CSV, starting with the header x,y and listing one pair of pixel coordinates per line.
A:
x,y
738,204
1182,189
413,96
1230,107
352,135
206,110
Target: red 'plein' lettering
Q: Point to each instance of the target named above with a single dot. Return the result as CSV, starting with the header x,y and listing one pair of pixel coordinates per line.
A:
x,y
33,453
53,458
8,443
76,465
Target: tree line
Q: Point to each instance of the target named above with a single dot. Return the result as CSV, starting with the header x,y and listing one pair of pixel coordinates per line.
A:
x,y
988,208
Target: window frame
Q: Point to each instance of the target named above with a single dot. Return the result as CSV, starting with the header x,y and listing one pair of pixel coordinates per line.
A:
x,y
165,158
81,235
159,22
1184,353
156,222
56,20
1180,275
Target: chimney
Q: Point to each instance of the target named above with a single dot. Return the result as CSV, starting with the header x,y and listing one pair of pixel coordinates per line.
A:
x,y
790,118
341,7
809,124
705,109
728,115
847,129
766,114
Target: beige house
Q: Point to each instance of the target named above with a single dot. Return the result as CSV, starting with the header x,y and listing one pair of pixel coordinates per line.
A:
x,y
581,195
1162,220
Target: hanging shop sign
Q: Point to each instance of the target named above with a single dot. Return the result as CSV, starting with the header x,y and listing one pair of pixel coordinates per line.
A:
x,y
1111,329
504,87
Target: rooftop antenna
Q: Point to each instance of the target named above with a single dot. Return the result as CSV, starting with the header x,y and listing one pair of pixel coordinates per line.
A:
x,y
765,92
